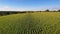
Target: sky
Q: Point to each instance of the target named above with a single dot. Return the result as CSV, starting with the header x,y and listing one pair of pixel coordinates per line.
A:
x,y
29,5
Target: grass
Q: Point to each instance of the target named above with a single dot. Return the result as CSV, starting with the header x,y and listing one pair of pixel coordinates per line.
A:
x,y
31,23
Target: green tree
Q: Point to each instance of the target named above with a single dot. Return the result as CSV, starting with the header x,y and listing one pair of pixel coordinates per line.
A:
x,y
59,10
47,10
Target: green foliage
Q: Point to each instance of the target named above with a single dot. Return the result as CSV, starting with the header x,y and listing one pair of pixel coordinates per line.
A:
x,y
47,10
59,10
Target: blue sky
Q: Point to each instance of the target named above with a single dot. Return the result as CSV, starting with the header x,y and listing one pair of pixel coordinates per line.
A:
x,y
22,5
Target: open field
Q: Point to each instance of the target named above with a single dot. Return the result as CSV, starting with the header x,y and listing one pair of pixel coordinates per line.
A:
x,y
31,23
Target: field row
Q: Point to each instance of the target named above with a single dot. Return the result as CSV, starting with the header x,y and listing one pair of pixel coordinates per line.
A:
x,y
31,23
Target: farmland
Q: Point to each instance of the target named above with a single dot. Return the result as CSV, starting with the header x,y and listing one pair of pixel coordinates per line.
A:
x,y
31,23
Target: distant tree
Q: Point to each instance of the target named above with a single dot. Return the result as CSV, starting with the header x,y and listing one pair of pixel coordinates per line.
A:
x,y
7,13
59,10
40,11
47,10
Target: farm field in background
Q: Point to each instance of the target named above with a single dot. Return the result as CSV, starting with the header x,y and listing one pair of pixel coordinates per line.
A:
x,y
31,23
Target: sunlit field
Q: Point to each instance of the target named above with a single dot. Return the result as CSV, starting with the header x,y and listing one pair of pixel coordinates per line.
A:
x,y
31,23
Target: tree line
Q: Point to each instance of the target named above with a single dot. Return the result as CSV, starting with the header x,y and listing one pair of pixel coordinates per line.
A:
x,y
2,13
16,12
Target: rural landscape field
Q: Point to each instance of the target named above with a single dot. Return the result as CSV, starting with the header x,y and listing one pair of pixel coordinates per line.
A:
x,y
29,16
31,23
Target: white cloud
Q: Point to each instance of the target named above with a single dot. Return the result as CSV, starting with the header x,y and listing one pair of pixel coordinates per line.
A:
x,y
7,8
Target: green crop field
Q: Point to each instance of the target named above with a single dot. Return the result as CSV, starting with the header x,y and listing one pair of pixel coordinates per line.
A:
x,y
31,23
